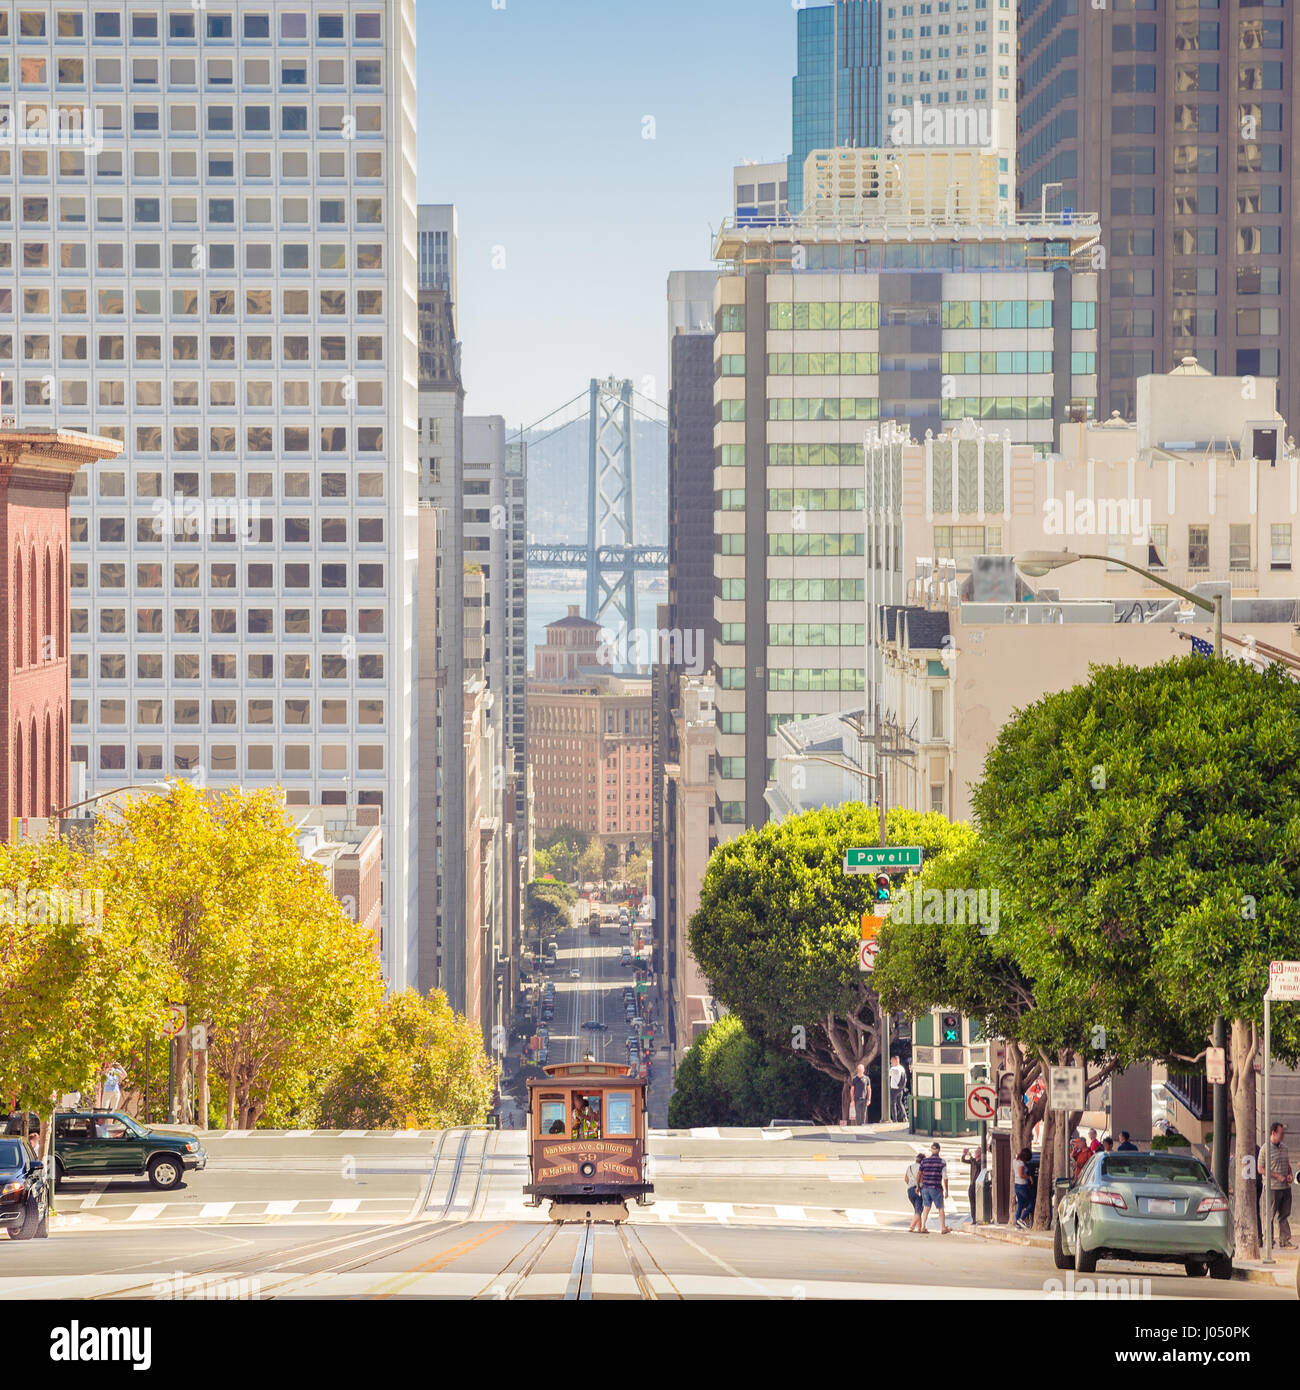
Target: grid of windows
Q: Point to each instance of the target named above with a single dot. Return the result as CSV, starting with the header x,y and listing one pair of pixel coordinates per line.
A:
x,y
194,260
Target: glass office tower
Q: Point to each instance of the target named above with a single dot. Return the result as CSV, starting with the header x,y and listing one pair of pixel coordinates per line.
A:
x,y
836,95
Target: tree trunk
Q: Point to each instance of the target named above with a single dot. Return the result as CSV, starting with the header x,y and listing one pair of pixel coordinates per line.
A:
x,y
201,1088
1243,1044
1047,1170
230,1085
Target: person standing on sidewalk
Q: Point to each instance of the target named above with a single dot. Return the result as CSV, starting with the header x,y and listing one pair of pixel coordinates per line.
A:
x,y
1024,1187
898,1089
861,1089
973,1158
934,1188
1280,1177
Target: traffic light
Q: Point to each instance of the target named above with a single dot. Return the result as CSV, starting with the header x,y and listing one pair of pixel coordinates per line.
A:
x,y
882,888
950,1029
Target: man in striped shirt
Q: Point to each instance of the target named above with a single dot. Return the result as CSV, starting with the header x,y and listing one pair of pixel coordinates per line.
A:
x,y
934,1188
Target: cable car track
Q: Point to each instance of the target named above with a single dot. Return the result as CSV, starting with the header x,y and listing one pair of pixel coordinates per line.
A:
x,y
415,1229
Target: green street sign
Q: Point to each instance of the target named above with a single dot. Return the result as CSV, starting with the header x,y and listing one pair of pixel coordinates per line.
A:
x,y
876,857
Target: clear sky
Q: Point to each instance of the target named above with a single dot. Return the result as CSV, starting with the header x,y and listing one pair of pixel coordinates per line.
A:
x,y
531,119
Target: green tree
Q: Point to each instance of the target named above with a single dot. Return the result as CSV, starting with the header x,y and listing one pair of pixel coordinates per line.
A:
x,y
413,1061
1146,824
547,904
950,955
591,862
777,931
727,1078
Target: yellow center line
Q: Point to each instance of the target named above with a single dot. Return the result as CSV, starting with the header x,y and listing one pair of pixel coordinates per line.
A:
x,y
444,1259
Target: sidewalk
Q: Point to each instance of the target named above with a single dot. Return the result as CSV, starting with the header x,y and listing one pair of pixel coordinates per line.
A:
x,y
1282,1272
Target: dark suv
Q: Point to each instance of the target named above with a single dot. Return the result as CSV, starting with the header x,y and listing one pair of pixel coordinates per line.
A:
x,y
102,1142
24,1195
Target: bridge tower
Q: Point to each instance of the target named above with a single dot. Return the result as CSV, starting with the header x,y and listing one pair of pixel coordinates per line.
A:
x,y
611,571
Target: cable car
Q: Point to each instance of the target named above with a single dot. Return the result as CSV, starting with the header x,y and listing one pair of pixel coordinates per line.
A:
x,y
587,1164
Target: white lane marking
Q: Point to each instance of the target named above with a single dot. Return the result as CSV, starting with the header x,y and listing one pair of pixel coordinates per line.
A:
x,y
775,1134
147,1213
723,1211
231,1134
281,1208
722,1264
91,1199
345,1204
353,1134
705,1133
299,1133
791,1213
214,1209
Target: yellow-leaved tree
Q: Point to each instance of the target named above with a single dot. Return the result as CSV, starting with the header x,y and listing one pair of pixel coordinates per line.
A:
x,y
81,978
261,949
415,1060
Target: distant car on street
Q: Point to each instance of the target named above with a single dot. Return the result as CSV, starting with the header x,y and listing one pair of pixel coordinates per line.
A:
x,y
1158,1207
24,1195
594,1025
575,973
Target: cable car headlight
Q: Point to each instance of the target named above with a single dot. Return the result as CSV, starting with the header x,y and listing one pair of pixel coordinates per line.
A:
x,y
588,1169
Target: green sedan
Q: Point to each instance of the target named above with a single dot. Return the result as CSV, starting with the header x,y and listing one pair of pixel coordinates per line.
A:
x,y
1144,1206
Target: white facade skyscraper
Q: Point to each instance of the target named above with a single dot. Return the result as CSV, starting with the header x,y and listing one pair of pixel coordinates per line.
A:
x,y
207,251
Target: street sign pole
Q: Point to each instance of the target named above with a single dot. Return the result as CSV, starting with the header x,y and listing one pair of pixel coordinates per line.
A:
x,y
886,1104
1267,1147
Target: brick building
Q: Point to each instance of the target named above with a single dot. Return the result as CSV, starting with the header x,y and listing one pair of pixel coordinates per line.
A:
x,y
36,472
588,738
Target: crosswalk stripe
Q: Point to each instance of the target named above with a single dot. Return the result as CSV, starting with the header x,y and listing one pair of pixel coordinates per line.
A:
x,y
344,1204
147,1213
281,1208
215,1209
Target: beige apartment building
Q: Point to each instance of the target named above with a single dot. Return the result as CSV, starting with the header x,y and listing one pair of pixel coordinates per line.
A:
x,y
1202,489
688,803
589,743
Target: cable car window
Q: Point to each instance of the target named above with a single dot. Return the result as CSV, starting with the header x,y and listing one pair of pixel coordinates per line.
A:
x,y
586,1115
618,1114
551,1116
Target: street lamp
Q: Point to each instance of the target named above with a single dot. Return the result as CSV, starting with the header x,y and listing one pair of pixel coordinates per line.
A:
x,y
113,791
1040,562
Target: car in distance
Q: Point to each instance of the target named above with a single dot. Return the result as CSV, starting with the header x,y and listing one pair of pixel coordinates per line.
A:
x,y
574,973
594,1025
1158,1207
24,1193
626,958
103,1142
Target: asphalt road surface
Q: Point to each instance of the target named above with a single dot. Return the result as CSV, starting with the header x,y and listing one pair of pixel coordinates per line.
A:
x,y
812,1214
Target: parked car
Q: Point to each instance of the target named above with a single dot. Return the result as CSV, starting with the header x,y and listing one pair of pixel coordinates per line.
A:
x,y
1144,1206
574,973
96,1143
24,1194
